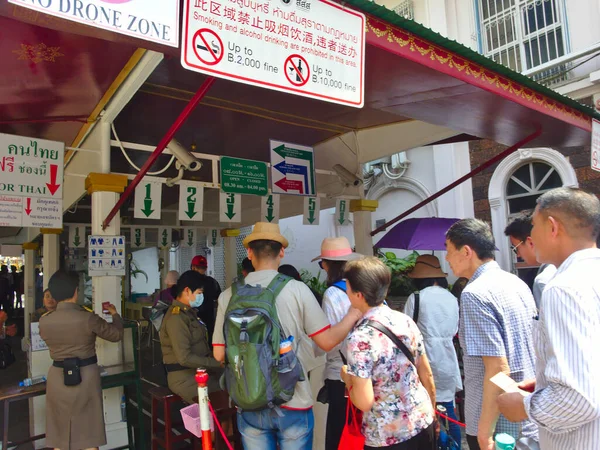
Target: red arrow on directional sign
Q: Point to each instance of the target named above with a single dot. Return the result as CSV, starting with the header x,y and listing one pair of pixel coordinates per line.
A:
x,y
52,186
28,209
290,185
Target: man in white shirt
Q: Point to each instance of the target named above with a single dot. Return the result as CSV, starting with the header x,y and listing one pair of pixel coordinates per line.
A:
x,y
565,403
519,233
290,426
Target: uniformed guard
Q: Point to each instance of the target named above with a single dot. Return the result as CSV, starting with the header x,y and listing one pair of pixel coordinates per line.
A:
x,y
74,412
184,340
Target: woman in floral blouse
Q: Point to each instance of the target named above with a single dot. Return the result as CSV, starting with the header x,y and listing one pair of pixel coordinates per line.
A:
x,y
397,397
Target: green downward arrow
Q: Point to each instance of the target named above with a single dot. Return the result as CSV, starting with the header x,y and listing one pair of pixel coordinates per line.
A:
x,y
342,210
165,235
190,209
190,238
76,240
138,242
311,216
270,215
214,238
230,212
214,242
147,210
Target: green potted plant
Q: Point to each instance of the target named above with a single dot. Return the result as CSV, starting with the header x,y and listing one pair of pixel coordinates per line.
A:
x,y
402,286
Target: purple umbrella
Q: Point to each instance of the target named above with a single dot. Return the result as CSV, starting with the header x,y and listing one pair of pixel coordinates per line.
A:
x,y
427,233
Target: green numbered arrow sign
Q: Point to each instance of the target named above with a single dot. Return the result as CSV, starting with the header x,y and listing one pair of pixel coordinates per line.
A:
x,y
77,236
230,207
312,208
164,237
148,199
189,237
139,237
270,208
212,238
341,212
191,201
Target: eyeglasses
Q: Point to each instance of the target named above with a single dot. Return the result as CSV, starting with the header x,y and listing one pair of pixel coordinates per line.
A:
x,y
516,247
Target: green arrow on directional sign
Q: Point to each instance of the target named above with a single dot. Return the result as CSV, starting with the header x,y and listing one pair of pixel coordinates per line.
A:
x,y
311,210
214,238
147,210
269,215
230,206
342,211
165,236
190,238
76,239
138,237
297,153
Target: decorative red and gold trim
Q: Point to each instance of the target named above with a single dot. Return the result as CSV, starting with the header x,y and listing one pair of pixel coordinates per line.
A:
x,y
407,45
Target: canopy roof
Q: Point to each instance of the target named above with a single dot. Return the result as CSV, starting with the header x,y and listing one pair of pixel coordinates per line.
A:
x,y
420,88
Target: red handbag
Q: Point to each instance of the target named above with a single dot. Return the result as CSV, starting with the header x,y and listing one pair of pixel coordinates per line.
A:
x,y
352,437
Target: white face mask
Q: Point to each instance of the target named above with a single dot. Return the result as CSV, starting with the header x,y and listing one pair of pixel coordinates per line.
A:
x,y
197,302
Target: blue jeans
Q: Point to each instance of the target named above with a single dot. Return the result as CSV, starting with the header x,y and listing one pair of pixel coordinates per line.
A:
x,y
453,429
263,430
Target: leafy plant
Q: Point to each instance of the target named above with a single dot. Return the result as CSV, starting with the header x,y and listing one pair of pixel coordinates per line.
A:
x,y
135,270
401,284
313,282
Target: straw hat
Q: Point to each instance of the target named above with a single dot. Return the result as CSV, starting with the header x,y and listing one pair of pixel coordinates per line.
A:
x,y
337,249
266,231
427,266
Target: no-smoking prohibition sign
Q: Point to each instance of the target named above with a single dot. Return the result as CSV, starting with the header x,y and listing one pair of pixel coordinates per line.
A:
x,y
297,70
208,46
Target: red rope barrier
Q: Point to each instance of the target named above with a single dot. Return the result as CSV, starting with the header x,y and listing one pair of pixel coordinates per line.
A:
x,y
212,411
443,416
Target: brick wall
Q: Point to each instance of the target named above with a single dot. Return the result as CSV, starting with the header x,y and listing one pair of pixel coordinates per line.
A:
x,y
481,151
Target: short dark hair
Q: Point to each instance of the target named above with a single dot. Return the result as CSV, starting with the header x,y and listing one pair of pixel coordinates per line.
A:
x,y
264,248
423,283
475,233
335,271
63,284
579,208
290,271
247,265
188,279
520,227
369,276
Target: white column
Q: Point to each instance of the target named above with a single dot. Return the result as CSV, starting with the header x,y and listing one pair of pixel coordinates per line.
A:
x,y
230,256
362,232
50,254
29,283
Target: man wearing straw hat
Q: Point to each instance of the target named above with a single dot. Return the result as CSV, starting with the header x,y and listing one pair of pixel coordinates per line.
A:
x,y
289,426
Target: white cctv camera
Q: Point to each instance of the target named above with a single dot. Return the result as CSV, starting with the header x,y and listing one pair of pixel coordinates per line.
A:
x,y
346,176
184,158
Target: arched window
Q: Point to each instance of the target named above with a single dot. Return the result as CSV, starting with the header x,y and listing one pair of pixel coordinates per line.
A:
x,y
527,183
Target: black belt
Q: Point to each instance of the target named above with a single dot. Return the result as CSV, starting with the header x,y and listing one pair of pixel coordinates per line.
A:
x,y
82,362
176,367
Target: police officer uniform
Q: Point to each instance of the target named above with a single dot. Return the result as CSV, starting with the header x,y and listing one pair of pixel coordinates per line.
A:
x,y
74,414
185,348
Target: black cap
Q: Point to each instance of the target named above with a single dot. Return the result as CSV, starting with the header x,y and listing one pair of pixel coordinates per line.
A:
x,y
189,279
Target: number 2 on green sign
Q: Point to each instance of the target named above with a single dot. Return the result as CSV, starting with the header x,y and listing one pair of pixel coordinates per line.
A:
x,y
191,198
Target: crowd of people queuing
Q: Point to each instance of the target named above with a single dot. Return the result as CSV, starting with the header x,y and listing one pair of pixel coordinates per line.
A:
x,y
263,335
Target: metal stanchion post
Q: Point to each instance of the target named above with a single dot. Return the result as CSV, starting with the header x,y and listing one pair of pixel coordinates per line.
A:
x,y
202,380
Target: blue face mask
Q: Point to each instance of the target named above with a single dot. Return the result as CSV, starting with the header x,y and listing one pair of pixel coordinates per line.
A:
x,y
197,302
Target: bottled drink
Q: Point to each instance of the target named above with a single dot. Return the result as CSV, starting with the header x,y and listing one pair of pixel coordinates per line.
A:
x,y
123,409
505,442
33,380
286,345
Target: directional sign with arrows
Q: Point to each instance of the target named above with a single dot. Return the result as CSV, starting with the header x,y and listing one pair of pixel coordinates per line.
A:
x,y
269,209
138,237
188,239
148,199
230,207
292,169
213,238
164,237
191,201
31,174
77,237
312,209
342,212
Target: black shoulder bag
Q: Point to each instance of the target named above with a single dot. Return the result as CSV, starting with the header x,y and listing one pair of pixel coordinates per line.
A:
x,y
385,330
415,316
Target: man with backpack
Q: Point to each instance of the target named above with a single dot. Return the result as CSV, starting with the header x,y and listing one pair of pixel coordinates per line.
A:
x,y
262,333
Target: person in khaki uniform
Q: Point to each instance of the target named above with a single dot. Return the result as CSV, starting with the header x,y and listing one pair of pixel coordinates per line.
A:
x,y
74,413
184,340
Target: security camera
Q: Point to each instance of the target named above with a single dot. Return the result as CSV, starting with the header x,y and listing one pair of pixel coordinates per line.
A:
x,y
346,176
184,158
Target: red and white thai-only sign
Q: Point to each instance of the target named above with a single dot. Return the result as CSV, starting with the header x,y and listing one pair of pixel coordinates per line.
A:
x,y
313,48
